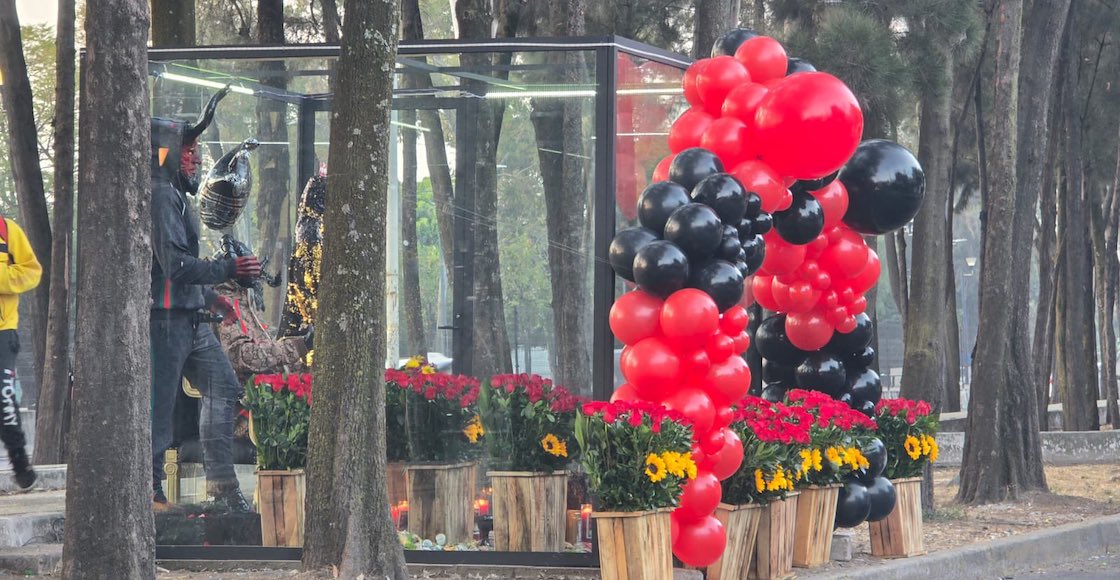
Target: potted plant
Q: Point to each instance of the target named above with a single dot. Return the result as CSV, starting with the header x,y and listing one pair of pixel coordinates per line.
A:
x,y
637,457
530,426
772,436
907,429
837,435
279,415
441,435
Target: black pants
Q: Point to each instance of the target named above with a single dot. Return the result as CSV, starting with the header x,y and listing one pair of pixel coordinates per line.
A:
x,y
11,428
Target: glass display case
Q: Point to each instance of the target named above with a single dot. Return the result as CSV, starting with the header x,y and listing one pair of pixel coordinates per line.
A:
x,y
515,161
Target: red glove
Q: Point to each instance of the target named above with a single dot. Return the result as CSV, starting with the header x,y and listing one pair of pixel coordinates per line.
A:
x,y
222,306
246,267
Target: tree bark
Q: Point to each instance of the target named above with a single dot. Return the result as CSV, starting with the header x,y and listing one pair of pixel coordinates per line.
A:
x,y
23,147
1103,293
1003,451
348,522
410,257
1112,233
173,23
332,23
1042,350
108,484
713,18
53,411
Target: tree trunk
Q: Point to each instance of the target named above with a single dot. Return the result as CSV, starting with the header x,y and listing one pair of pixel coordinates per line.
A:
x,y
348,522
173,23
410,258
896,272
23,147
758,19
53,411
1112,233
108,483
1102,291
332,24
1042,351
1003,451
713,18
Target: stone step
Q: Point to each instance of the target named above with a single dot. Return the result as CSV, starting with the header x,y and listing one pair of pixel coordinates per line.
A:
x,y
34,560
31,518
51,477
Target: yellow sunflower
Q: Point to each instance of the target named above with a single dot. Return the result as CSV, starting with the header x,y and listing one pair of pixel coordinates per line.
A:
x,y
759,481
833,455
933,450
673,463
689,465
913,447
554,446
474,429
655,468
817,466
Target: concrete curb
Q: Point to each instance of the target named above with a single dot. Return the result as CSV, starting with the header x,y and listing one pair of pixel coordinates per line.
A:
x,y
998,558
427,571
40,559
24,529
51,477
1058,447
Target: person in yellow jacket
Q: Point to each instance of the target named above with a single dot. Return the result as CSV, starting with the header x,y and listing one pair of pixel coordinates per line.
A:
x,y
19,272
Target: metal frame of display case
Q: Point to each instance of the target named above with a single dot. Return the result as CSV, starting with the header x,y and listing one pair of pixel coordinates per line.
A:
x,y
606,49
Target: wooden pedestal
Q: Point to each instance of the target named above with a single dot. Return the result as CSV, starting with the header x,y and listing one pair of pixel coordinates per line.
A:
x,y
441,500
816,514
741,524
773,555
529,510
281,507
635,546
900,534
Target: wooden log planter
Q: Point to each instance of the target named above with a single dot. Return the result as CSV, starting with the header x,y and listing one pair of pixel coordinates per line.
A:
x,y
441,500
816,514
899,535
281,507
741,524
635,545
529,510
773,556
397,480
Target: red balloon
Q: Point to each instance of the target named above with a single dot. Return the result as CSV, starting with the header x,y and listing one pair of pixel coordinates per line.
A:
x,y
847,255
728,381
635,316
834,202
625,392
701,459
711,442
830,299
782,257
674,529
762,289
742,102
758,177
699,498
780,289
716,80
802,297
816,247
734,320
810,103
847,325
691,92
727,460
696,365
724,416
720,346
742,342
651,367
836,315
694,404
808,331
661,172
689,314
869,277
727,138
847,295
857,306
700,544
688,129
764,58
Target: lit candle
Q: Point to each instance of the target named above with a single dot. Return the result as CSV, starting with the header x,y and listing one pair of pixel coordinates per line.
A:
x,y
585,522
483,506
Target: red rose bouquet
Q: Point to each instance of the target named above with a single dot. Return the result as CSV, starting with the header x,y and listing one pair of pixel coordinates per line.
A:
x,y
279,417
530,423
432,417
773,434
837,437
908,430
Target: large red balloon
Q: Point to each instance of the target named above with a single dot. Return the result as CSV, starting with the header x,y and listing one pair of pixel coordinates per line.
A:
x,y
625,392
727,138
833,199
719,347
782,257
691,92
635,316
727,460
760,178
867,279
764,58
716,80
694,404
780,291
808,331
724,416
711,442
689,314
847,255
651,367
699,498
695,365
700,544
742,102
661,172
688,129
809,106
728,381
762,288
734,321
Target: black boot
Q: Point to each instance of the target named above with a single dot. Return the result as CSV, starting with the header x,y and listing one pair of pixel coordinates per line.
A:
x,y
227,498
21,467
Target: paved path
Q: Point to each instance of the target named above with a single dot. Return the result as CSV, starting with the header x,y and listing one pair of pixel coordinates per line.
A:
x,y
1091,568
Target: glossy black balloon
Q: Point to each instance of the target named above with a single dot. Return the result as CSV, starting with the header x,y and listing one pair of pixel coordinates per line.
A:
x,y
844,344
721,280
796,65
853,505
802,222
624,248
661,268
811,185
658,202
730,41
696,229
745,228
774,392
729,248
776,372
863,358
882,497
691,166
885,186
743,268
846,398
754,204
755,262
821,371
865,407
772,343
753,245
763,223
865,385
876,454
723,193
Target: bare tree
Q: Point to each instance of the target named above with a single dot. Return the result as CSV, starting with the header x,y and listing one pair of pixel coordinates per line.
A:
x,y
109,527
348,522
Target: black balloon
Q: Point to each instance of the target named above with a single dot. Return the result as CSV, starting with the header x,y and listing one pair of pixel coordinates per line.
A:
x,y
885,186
731,40
696,229
822,372
865,385
802,222
774,392
866,407
853,342
882,497
691,166
625,246
755,262
862,358
745,228
876,454
729,248
723,193
772,342
776,372
846,398
796,65
853,505
811,185
754,204
721,280
753,245
658,202
661,268
763,223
